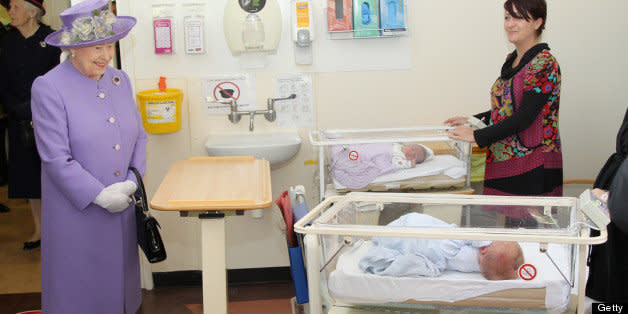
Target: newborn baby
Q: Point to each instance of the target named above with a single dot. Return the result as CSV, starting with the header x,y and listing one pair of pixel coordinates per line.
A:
x,y
412,257
407,156
355,166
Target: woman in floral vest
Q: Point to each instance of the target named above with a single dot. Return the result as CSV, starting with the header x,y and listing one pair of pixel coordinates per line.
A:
x,y
524,150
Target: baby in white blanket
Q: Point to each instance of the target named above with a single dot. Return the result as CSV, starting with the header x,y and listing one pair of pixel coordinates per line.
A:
x,y
412,257
407,156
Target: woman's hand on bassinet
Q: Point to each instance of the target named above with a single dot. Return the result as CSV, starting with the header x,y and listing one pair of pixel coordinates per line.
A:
x,y
455,121
462,133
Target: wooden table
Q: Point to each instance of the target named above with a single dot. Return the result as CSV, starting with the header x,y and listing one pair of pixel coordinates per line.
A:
x,y
210,188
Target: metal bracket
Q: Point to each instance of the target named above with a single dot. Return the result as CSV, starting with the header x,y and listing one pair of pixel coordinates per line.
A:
x,y
345,242
211,215
543,249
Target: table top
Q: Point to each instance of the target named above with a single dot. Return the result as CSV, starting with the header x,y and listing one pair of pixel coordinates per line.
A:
x,y
215,183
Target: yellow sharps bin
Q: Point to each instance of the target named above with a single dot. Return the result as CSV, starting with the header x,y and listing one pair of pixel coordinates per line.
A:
x,y
161,108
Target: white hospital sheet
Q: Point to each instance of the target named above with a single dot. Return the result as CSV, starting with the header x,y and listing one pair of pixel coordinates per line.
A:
x,y
447,164
350,284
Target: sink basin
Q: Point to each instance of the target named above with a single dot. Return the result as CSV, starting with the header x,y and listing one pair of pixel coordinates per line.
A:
x,y
276,147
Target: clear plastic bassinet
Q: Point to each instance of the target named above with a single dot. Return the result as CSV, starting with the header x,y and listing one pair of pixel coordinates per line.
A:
x,y
552,232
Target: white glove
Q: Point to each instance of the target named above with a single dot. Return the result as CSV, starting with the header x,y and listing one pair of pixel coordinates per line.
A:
x,y
112,201
127,187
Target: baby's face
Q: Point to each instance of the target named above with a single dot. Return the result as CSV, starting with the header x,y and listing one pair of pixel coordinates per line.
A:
x,y
414,152
499,260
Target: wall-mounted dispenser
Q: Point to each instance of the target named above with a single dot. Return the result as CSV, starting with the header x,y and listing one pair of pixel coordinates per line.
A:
x,y
302,30
252,25
365,18
339,15
194,28
163,26
392,16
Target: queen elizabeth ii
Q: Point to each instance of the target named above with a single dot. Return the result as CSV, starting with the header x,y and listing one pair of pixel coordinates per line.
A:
x,y
88,133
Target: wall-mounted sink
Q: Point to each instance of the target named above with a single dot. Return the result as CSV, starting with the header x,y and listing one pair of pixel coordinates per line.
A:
x,y
276,147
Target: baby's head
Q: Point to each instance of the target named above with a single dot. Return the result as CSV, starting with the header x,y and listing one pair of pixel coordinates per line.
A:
x,y
500,260
415,153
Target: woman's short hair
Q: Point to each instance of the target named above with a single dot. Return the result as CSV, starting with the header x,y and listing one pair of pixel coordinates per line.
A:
x,y
32,7
528,10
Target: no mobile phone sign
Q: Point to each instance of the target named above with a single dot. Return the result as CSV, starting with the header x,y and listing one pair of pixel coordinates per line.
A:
x,y
527,272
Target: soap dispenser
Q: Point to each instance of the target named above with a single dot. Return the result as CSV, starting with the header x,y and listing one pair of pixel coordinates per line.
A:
x,y
302,30
253,32
252,26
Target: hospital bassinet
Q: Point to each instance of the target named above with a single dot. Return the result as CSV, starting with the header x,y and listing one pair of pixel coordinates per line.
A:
x,y
552,232
433,174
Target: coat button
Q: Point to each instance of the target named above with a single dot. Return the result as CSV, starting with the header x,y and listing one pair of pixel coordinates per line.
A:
x,y
112,120
101,95
117,174
117,147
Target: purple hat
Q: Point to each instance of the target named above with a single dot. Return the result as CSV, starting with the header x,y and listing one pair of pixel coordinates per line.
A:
x,y
90,23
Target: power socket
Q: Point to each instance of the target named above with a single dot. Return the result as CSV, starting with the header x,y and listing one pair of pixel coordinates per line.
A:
x,y
594,209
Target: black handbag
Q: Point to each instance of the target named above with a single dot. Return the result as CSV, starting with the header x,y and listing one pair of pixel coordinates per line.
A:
x,y
148,237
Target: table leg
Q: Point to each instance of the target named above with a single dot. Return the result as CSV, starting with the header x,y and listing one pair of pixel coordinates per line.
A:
x,y
214,266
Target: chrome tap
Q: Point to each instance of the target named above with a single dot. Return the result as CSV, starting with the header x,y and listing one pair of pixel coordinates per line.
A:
x,y
270,114
234,116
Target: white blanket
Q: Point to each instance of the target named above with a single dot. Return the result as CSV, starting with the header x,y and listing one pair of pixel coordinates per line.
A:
x,y
447,164
350,284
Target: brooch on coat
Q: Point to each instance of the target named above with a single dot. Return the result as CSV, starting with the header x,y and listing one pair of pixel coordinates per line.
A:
x,y
116,80
42,44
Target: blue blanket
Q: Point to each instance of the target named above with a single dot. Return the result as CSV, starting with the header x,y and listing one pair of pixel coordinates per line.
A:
x,y
412,257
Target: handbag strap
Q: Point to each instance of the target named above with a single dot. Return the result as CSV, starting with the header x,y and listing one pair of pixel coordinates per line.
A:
x,y
140,189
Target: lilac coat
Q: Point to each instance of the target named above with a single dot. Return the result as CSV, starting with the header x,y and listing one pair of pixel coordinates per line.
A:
x,y
88,133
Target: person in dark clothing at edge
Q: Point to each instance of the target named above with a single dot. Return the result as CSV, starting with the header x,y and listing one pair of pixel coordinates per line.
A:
x,y
608,270
23,57
4,163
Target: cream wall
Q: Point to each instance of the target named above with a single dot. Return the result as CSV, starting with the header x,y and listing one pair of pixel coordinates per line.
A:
x,y
458,47
53,8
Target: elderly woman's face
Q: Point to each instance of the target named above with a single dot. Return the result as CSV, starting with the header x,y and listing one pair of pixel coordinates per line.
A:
x,y
20,13
92,61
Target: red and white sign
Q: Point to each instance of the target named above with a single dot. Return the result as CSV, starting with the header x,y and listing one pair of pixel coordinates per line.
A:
x,y
225,91
527,272
220,91
353,155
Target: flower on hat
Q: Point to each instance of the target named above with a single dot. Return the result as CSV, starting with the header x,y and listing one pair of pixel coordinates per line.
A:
x,y
65,38
97,26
